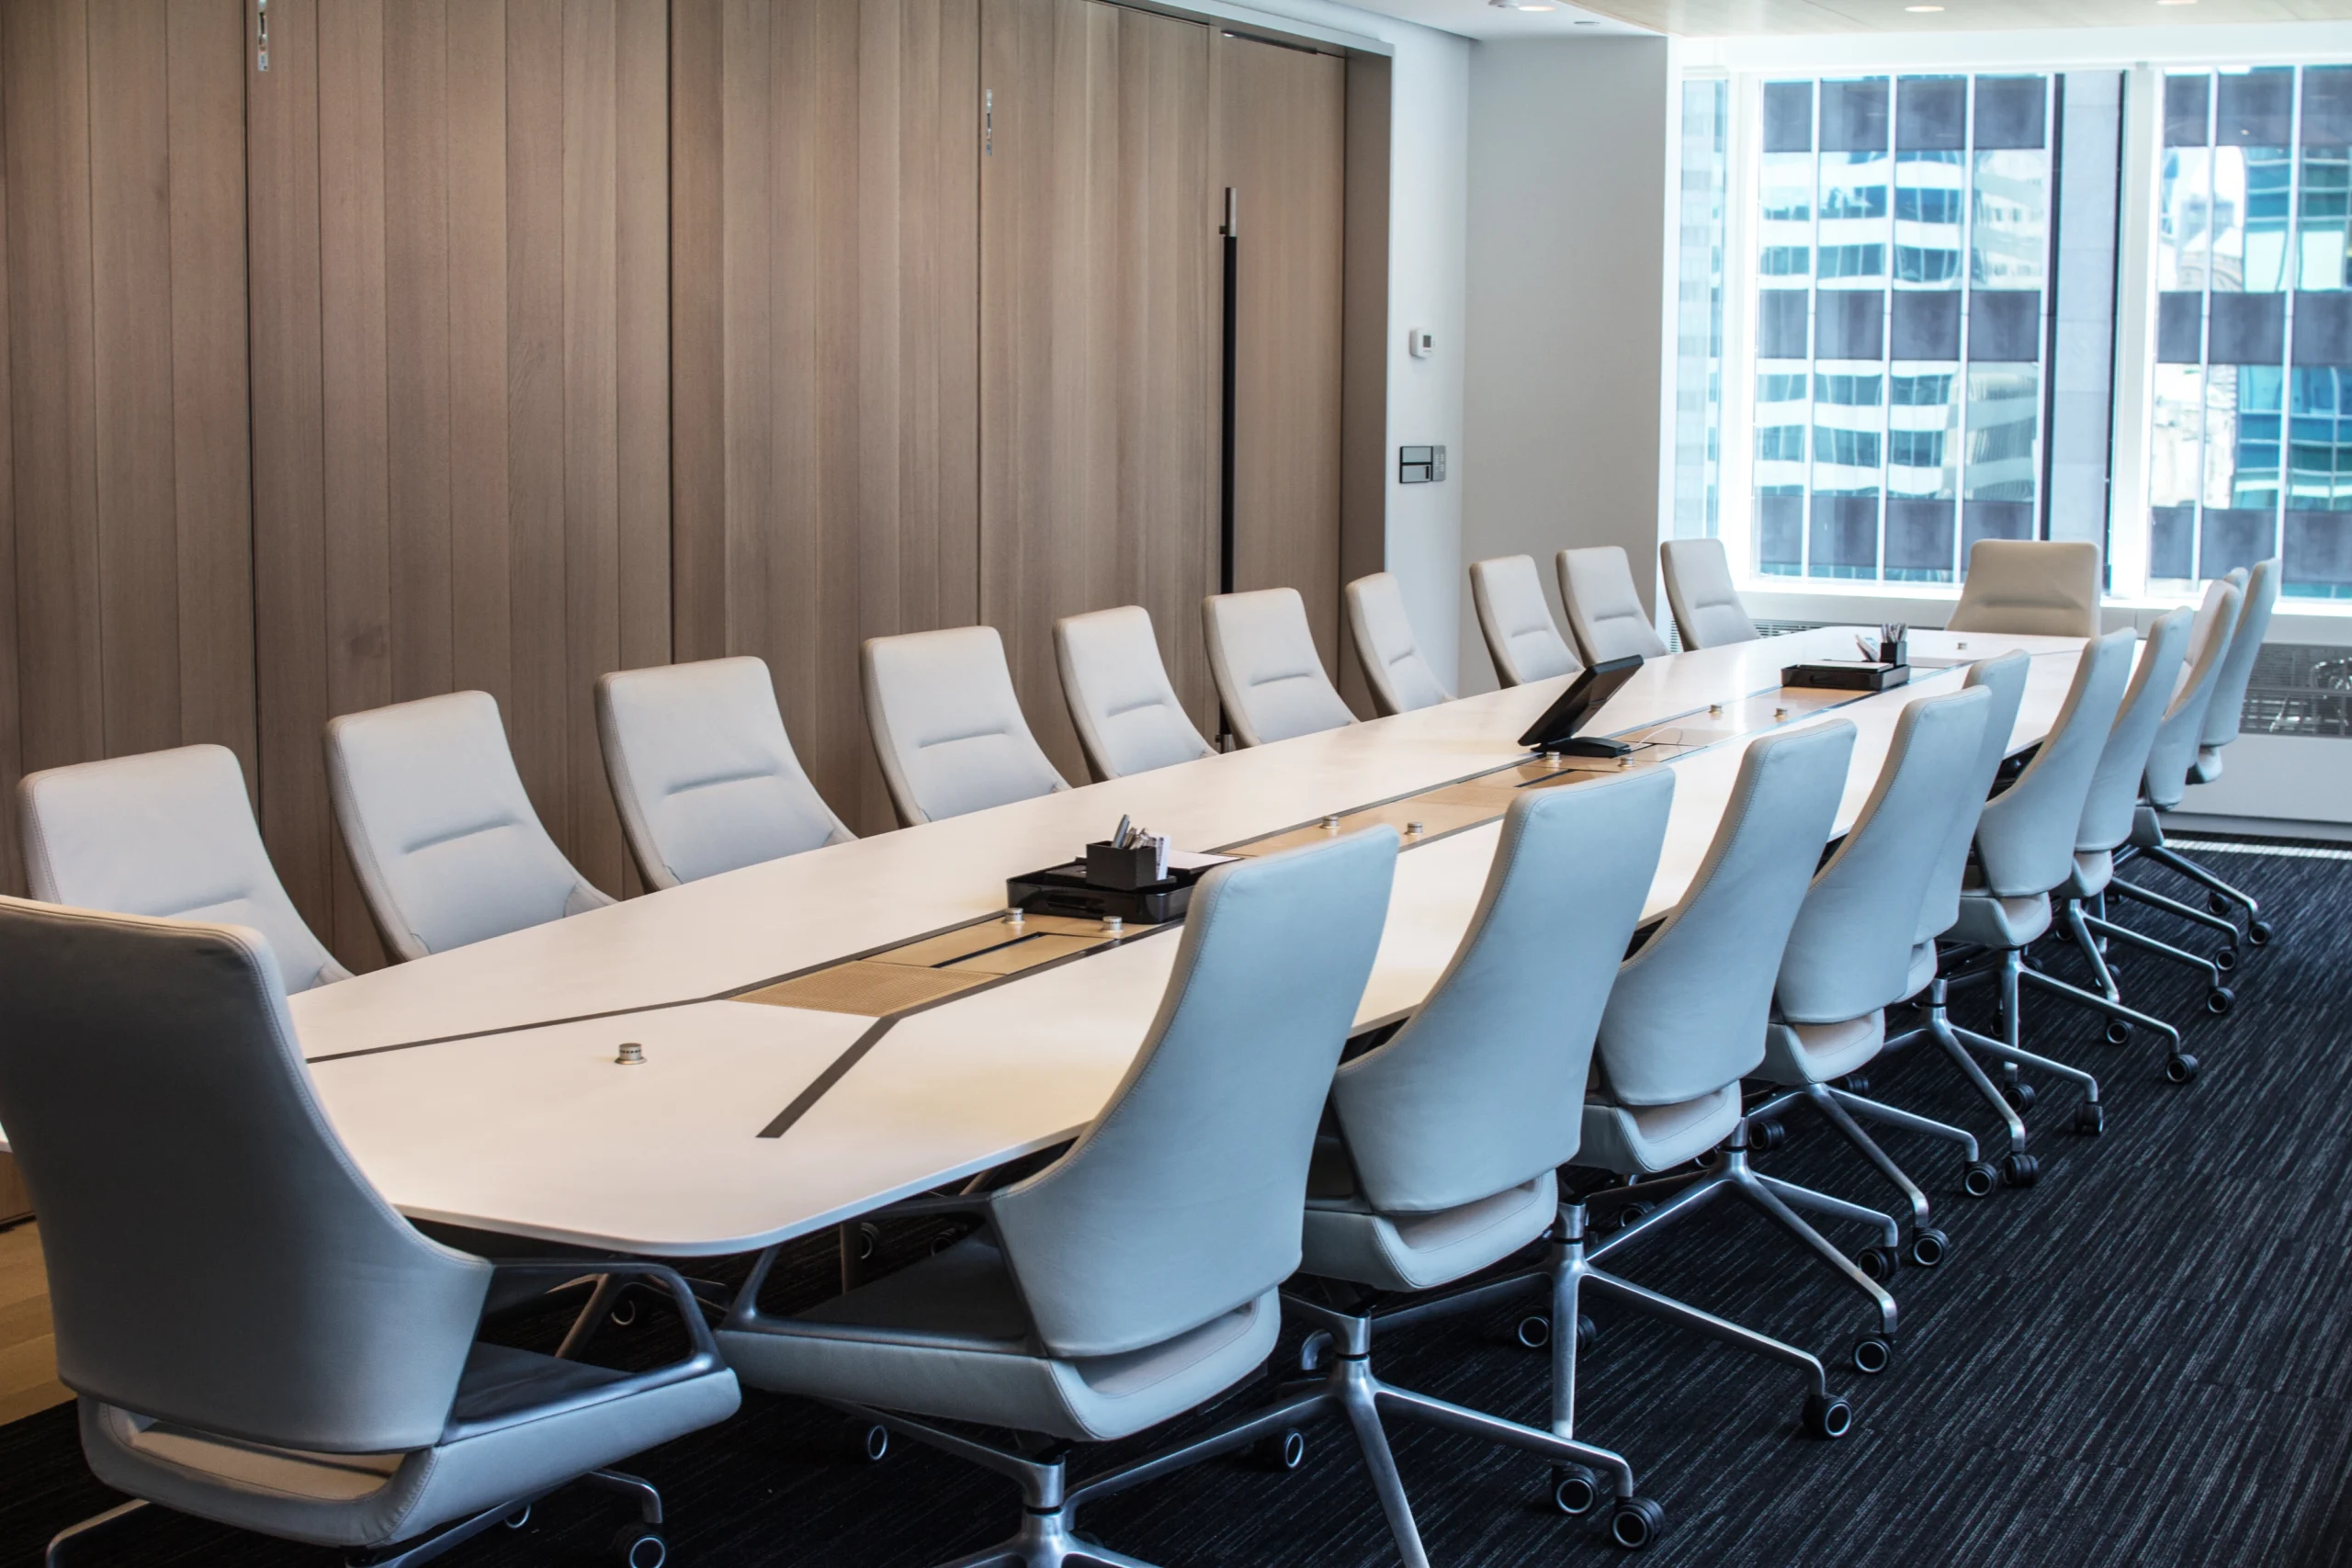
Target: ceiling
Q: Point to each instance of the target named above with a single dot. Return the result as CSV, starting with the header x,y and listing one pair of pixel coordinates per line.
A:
x,y
1723,19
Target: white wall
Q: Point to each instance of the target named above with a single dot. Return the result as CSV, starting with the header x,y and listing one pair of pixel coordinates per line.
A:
x,y
1564,422
1429,152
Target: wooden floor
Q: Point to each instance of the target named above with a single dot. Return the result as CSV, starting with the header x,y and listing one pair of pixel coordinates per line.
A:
x,y
27,1349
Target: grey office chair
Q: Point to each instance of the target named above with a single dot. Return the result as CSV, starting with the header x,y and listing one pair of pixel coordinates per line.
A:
x,y
1400,678
2003,679
2173,756
2025,852
703,773
1688,1017
1129,717
1269,676
1135,1277
947,729
168,833
2108,815
1847,962
255,1337
1604,608
1698,588
2030,588
2224,713
441,835
1522,637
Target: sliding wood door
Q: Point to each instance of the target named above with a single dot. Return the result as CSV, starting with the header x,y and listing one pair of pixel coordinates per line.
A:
x,y
460,237
1281,119
1098,338
825,169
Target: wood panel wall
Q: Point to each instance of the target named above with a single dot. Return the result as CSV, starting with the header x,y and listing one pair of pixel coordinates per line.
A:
x,y
459,221
825,159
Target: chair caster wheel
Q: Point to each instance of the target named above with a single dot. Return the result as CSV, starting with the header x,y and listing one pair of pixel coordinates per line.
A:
x,y
624,1313
2259,933
1872,1354
1533,1331
2090,1120
867,1442
518,1518
1635,1523
2180,1067
1856,1083
1282,1451
2018,1094
1763,1137
1588,1333
2218,1001
2219,905
1929,1247
640,1546
1827,1417
2117,1032
2225,959
1313,1349
1978,1179
2020,1171
1631,1214
1878,1262
1576,1490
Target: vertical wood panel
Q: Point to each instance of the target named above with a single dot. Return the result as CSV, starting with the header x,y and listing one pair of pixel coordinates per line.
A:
x,y
417,346
1281,122
482,648
11,744
701,104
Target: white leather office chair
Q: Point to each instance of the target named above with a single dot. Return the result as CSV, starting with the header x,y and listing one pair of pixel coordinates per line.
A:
x,y
2224,713
1688,1016
1129,717
1400,678
1707,608
166,833
1522,637
703,773
2030,588
255,1336
947,729
1604,608
1135,1277
1846,962
441,835
1269,676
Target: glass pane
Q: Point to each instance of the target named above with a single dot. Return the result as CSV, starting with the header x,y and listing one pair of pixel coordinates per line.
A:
x,y
2008,247
2254,482
1698,312
2267,174
1783,411
1848,428
1785,234
1922,430
2319,467
1927,211
2326,234
2225,220
2220,435
2004,433
2179,399
1854,219
2183,200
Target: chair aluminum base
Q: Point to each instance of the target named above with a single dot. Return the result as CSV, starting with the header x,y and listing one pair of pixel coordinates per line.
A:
x,y
1840,1106
2090,928
413,1553
1939,1028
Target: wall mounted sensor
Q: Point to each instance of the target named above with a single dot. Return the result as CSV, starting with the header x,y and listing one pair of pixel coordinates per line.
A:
x,y
1423,341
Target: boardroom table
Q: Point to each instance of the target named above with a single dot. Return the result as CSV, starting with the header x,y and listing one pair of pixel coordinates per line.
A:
x,y
791,1081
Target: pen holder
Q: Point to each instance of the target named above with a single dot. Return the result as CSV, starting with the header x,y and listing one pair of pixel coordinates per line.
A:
x,y
1107,865
1897,652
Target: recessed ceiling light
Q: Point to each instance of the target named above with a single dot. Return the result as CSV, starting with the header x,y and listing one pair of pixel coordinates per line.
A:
x,y
1923,8
1522,5
2175,1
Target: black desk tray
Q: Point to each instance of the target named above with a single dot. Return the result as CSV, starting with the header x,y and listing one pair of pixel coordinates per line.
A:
x,y
1064,890
1845,675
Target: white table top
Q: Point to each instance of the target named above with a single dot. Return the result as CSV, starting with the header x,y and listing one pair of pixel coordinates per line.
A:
x,y
518,1123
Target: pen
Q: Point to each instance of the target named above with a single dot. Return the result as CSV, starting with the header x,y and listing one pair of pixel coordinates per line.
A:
x,y
1119,838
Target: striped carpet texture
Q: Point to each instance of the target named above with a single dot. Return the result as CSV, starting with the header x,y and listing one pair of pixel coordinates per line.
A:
x,y
2146,1359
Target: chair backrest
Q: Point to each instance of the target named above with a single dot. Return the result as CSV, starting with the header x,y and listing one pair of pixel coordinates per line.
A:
x,y
1688,1012
1522,637
947,729
214,1257
1187,1196
2025,837
2003,679
703,773
1269,676
1604,608
2222,710
1699,590
2182,729
2114,794
1400,678
1129,717
168,833
1845,958
441,835
1483,1089
2030,588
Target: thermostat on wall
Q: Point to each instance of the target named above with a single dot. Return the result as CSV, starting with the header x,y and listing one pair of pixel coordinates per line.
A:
x,y
1423,341
1419,465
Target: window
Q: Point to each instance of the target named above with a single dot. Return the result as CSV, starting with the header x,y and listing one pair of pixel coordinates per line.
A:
x,y
1912,346
1698,312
